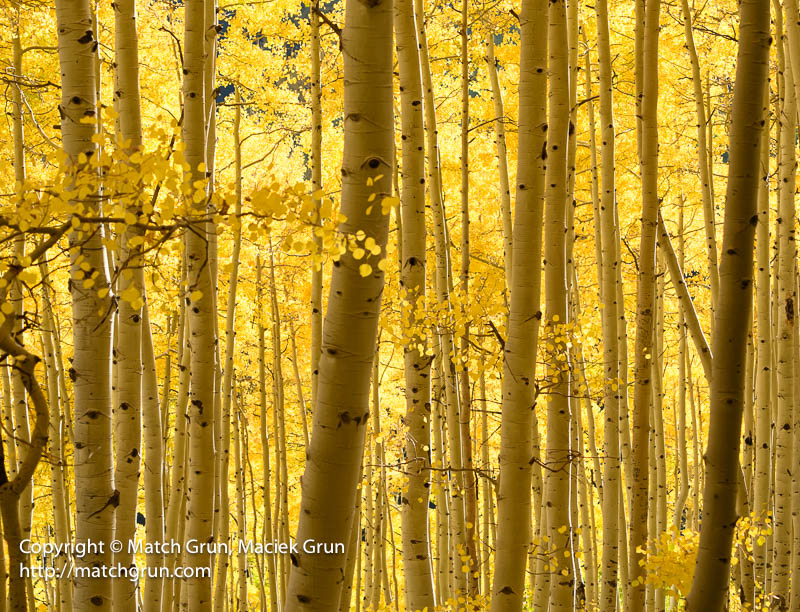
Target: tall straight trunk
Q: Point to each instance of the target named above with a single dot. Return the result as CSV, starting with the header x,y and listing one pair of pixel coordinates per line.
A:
x,y
502,159
608,279
21,432
519,352
659,458
58,406
227,372
178,477
465,403
95,497
763,418
340,415
127,409
154,593
596,473
703,153
414,503
201,312
316,186
794,595
645,303
439,484
241,514
267,527
487,495
786,298
444,284
680,422
558,456
281,513
712,570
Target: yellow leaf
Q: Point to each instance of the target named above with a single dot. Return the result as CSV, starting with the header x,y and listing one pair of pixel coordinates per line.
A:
x,y
365,269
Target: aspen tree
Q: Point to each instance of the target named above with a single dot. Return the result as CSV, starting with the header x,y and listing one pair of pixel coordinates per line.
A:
x,y
12,486
519,353
703,152
608,280
680,422
153,474
658,459
469,489
786,298
241,514
763,417
439,484
21,430
127,410
443,284
353,551
178,476
597,475
340,414
794,595
710,582
645,301
267,527
414,503
502,158
316,185
96,499
227,371
559,452
281,508
301,402
200,315
685,299
487,496
58,406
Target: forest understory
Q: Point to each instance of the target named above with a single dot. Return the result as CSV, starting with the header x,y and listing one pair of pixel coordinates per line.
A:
x,y
399,305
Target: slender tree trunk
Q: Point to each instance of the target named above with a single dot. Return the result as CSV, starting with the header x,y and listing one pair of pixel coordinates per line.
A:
x,y
645,303
267,531
197,594
786,299
316,185
414,502
680,424
703,153
608,280
558,455
502,159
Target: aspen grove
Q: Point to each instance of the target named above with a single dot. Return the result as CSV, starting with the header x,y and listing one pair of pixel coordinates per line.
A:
x,y
330,305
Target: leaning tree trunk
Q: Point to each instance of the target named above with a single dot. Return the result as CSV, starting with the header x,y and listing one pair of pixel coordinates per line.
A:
x,y
351,321
712,570
519,353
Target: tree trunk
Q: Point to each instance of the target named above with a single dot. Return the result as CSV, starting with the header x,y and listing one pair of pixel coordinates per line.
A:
x,y
340,416
519,352
712,571
414,502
